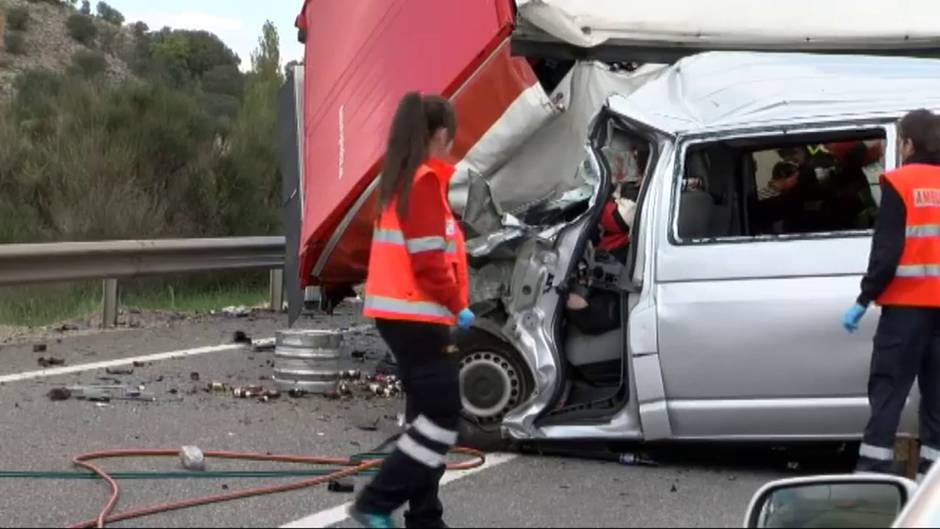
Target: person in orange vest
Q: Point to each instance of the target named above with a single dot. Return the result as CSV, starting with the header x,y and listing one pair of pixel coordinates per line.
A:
x,y
417,291
904,278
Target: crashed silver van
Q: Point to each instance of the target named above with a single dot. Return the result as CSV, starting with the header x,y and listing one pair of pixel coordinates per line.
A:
x,y
727,316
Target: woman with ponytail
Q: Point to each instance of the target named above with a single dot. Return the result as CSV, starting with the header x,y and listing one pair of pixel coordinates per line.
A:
x,y
417,292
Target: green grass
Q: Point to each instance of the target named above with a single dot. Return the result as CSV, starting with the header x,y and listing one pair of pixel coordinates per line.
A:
x,y
34,306
196,299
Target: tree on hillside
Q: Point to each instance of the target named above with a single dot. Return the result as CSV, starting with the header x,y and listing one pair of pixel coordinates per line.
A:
x,y
183,56
253,173
83,29
266,59
86,7
109,14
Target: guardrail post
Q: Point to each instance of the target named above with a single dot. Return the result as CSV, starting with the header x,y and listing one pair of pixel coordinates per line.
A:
x,y
276,290
109,303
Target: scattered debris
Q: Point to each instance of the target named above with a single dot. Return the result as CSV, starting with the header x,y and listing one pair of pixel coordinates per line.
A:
x,y
224,487
173,391
67,327
50,362
192,458
119,371
342,486
675,488
109,393
267,344
240,311
379,385
217,387
241,337
194,376
247,392
59,394
259,392
366,423
39,348
139,364
637,460
270,395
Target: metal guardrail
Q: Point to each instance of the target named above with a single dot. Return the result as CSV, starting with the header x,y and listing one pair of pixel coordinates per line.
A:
x,y
113,260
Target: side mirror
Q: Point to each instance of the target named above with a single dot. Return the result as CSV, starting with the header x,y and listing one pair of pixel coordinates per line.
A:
x,y
834,501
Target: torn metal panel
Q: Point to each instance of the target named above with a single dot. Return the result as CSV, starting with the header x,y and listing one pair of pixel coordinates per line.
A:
x,y
490,282
546,166
482,214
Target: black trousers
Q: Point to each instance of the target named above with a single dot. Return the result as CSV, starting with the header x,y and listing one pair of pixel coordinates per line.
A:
x,y
907,347
412,473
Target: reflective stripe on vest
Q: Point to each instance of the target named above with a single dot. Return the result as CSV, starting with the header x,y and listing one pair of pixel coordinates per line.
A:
x,y
918,271
403,307
414,246
929,230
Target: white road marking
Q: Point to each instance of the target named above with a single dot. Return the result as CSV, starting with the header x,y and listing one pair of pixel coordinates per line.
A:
x,y
338,514
45,373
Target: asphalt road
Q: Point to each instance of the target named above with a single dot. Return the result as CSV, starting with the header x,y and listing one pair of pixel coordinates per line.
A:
x,y
695,486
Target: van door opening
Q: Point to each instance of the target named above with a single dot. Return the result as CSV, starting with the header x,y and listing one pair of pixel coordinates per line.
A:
x,y
594,315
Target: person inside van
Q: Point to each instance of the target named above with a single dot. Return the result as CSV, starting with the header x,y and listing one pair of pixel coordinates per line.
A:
x,y
595,311
780,204
850,204
816,167
613,230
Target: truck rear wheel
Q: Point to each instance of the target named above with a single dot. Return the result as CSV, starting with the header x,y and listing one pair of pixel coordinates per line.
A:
x,y
493,381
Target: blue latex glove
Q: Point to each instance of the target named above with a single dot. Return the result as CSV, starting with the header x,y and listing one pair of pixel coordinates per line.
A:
x,y
852,318
465,319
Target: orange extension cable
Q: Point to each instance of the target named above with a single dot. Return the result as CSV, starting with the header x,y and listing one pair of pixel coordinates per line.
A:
x,y
352,468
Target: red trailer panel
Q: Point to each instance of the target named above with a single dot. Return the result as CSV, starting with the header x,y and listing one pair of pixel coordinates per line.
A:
x,y
361,58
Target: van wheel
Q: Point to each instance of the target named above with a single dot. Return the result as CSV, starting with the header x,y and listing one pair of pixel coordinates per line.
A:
x,y
493,381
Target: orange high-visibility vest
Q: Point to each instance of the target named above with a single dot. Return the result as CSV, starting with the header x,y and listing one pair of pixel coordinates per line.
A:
x,y
917,282
392,292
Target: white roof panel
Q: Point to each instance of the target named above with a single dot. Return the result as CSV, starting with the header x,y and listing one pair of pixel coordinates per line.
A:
x,y
721,90
750,24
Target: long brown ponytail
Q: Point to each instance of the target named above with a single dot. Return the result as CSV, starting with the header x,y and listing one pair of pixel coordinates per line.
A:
x,y
416,120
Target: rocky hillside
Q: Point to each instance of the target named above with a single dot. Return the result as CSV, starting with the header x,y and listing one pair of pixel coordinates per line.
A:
x,y
44,42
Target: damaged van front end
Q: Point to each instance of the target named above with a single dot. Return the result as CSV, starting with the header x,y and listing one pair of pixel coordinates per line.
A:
x,y
518,277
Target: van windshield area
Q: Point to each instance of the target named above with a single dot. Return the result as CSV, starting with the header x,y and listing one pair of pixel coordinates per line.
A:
x,y
812,185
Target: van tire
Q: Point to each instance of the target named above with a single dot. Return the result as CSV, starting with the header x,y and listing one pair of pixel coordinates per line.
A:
x,y
494,380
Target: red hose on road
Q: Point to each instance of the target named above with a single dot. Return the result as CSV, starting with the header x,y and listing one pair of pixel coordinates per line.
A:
x,y
353,467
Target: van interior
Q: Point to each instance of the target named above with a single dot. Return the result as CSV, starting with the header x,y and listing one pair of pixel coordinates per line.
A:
x,y
794,186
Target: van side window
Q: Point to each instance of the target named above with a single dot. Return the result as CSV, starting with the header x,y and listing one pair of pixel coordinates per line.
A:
x,y
783,186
